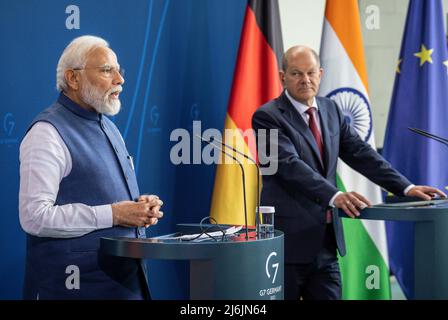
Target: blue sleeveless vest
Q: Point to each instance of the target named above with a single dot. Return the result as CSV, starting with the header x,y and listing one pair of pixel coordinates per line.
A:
x,y
101,174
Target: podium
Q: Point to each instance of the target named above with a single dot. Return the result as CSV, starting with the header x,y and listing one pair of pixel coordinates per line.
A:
x,y
233,269
430,243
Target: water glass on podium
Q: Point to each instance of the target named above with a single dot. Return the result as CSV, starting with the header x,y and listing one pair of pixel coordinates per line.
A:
x,y
266,222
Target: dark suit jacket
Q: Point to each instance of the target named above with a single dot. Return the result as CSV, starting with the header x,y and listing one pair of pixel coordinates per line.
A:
x,y
303,186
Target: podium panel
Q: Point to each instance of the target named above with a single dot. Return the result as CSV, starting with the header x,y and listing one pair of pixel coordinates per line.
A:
x,y
430,243
234,269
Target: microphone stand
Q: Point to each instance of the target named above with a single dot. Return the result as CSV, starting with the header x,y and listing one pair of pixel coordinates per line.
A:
x,y
242,174
429,135
257,216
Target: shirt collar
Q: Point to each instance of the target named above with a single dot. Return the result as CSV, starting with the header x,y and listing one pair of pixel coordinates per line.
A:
x,y
300,107
77,109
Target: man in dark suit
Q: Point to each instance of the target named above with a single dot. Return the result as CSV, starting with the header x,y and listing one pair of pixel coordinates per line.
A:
x,y
312,134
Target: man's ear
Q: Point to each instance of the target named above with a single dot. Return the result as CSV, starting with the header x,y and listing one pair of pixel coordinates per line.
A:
x,y
72,79
321,72
281,75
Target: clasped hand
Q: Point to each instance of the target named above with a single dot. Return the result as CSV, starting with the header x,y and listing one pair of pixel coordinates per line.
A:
x,y
144,212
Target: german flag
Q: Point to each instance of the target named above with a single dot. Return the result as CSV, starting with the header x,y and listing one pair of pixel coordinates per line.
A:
x,y
255,82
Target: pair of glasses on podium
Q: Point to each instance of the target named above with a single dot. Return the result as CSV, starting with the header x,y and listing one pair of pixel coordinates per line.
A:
x,y
207,229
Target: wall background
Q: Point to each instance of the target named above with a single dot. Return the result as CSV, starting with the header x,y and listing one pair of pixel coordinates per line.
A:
x,y
179,57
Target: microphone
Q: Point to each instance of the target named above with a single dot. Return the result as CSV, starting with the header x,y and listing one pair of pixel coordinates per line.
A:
x,y
257,216
242,175
429,135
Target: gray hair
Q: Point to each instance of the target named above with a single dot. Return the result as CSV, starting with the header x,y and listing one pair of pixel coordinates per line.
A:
x,y
74,56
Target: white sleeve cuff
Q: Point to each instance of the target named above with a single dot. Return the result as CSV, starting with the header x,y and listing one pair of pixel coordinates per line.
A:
x,y
331,204
405,192
104,216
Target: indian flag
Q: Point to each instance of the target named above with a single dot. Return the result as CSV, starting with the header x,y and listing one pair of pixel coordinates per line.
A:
x,y
365,269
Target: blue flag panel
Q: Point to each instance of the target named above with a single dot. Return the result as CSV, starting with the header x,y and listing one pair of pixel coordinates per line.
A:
x,y
420,100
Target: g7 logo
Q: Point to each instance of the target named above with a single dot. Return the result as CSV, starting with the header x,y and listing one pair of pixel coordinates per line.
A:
x,y
154,115
273,266
8,123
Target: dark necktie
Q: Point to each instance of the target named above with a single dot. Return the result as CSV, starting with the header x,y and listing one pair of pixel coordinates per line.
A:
x,y
315,131
318,137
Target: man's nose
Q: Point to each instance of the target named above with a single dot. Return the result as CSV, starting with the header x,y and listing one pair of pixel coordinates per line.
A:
x,y
305,79
118,78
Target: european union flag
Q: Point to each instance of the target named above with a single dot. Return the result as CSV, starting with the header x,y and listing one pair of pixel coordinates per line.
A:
x,y
420,100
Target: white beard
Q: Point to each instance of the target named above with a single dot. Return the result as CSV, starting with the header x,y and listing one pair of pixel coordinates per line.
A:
x,y
92,96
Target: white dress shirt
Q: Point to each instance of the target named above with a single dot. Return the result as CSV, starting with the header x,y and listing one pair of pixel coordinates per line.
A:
x,y
44,161
302,108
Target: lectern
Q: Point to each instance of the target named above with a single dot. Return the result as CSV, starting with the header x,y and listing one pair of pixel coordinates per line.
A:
x,y
430,242
225,269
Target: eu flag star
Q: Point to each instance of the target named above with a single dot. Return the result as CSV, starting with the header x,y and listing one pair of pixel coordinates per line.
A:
x,y
424,55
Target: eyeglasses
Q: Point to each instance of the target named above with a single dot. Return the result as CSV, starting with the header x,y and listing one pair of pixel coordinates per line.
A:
x,y
106,70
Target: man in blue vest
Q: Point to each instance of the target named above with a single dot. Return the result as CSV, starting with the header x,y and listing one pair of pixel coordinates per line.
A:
x,y
77,184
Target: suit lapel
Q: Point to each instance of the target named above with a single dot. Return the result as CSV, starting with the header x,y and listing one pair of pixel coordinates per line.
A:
x,y
296,120
323,115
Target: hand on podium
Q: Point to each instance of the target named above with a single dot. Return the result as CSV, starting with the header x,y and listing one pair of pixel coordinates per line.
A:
x,y
425,192
350,202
